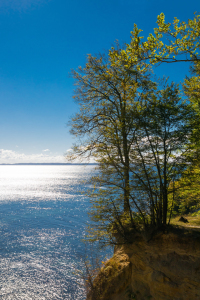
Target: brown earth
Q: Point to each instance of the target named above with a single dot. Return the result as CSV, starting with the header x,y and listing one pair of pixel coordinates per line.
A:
x,y
165,268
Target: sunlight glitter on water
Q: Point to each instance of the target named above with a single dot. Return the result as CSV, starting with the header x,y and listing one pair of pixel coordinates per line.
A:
x,y
42,221
42,182
40,273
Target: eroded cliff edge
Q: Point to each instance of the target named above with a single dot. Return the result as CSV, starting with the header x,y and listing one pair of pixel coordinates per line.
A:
x,y
165,268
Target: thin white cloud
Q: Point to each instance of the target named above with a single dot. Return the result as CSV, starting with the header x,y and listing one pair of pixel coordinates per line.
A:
x,y
46,150
11,157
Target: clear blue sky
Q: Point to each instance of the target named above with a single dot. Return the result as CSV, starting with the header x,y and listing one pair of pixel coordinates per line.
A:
x,y
41,41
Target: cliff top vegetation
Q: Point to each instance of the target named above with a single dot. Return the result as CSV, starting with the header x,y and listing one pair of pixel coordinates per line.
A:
x,y
143,131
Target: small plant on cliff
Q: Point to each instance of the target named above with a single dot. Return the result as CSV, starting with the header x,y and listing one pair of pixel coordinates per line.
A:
x,y
99,279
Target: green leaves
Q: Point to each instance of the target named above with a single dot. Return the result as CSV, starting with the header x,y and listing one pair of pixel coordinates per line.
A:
x,y
141,132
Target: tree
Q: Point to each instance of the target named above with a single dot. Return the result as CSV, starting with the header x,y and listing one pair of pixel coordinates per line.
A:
x,y
191,88
134,130
187,192
107,95
170,43
138,131
187,188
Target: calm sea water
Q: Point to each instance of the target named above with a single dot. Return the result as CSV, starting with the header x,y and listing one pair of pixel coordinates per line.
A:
x,y
43,215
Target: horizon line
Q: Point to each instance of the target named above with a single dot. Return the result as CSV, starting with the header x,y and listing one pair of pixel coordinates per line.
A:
x,y
3,164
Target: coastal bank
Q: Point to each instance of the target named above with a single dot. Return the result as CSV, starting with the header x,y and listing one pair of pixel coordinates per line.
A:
x,y
166,267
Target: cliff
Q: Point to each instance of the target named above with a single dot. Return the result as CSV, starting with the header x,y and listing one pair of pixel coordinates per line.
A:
x,y
165,268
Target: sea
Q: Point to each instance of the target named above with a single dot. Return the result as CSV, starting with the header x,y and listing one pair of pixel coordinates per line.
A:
x,y
43,219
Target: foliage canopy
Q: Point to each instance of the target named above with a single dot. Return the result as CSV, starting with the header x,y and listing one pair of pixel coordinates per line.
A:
x,y
141,131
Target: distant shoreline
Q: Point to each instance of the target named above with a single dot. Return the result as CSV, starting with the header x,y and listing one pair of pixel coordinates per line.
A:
x,y
48,164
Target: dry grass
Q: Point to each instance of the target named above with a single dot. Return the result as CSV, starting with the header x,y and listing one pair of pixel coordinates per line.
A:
x,y
193,221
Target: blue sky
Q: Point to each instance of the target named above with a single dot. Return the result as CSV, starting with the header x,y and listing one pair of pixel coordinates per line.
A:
x,y
41,41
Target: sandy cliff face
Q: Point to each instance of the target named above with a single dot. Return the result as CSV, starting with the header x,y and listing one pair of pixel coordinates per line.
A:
x,y
165,268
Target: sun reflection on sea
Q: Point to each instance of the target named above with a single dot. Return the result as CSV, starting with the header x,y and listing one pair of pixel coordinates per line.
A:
x,y
42,222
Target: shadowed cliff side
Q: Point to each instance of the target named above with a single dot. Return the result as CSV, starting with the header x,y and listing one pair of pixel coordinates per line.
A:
x,y
166,267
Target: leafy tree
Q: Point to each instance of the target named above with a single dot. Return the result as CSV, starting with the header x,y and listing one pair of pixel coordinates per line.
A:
x,y
192,91
139,131
107,96
187,192
187,188
135,131
157,158
170,43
